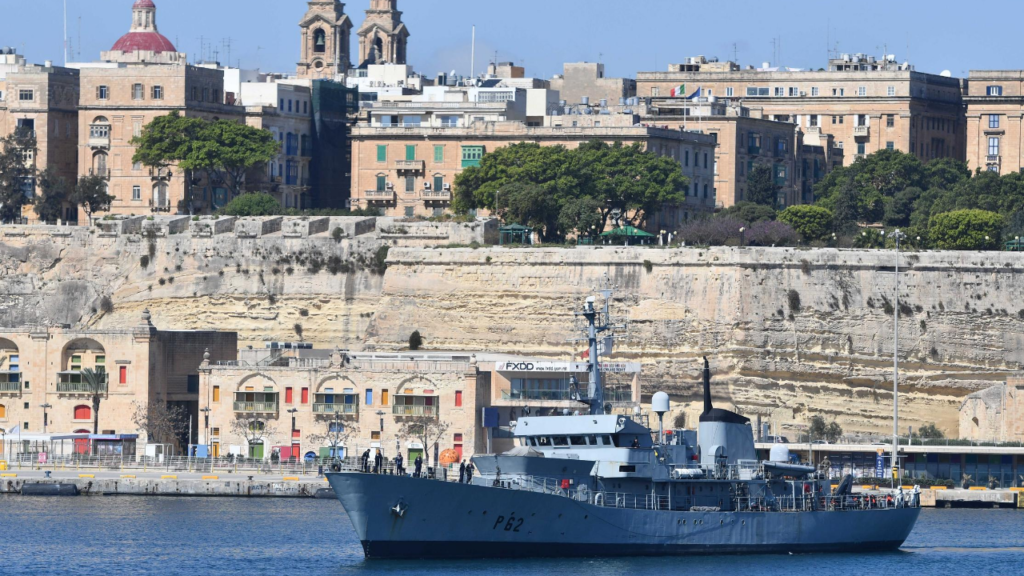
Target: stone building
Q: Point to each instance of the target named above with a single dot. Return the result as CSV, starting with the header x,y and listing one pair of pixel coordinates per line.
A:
x,y
866,104
995,414
41,102
326,40
41,374
581,81
285,110
297,397
798,157
409,170
141,78
994,101
383,37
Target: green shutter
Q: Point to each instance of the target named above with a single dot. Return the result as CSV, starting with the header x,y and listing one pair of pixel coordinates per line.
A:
x,y
438,154
382,153
410,152
382,183
438,183
471,156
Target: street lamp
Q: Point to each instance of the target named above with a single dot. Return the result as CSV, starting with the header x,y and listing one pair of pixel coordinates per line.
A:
x,y
897,236
45,407
206,423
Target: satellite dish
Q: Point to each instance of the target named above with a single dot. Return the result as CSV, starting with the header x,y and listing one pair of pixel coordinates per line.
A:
x,y
946,74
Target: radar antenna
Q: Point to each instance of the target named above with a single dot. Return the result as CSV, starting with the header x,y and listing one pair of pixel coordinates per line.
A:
x,y
593,321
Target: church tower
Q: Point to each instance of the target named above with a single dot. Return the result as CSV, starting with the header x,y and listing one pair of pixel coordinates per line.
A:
x,y
383,36
326,37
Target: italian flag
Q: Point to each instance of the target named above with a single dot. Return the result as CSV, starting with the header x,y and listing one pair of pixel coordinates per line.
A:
x,y
678,91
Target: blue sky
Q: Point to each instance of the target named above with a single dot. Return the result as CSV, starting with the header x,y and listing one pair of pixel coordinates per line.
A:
x,y
627,35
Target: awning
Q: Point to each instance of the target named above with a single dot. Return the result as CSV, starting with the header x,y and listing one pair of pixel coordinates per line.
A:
x,y
628,231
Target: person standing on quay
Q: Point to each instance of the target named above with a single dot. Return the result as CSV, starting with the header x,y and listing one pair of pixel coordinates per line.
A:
x,y
366,460
469,473
419,465
399,462
462,472
378,463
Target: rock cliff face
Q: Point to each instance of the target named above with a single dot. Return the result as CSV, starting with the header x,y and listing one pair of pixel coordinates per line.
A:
x,y
790,333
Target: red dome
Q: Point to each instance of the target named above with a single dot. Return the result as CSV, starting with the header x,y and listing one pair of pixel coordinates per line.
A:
x,y
143,4
146,41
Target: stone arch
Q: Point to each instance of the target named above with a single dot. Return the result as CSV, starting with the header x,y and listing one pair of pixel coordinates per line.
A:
x,y
319,41
417,382
338,383
87,350
258,382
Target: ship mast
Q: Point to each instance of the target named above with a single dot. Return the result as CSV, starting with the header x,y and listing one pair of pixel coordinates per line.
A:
x,y
597,323
897,236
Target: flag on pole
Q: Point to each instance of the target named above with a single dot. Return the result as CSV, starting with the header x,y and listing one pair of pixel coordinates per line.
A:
x,y
678,91
695,95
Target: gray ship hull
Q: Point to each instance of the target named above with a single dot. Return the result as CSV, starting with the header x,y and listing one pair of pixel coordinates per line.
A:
x,y
399,517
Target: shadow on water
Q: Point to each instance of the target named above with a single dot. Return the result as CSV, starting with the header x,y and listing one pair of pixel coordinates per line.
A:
x,y
188,536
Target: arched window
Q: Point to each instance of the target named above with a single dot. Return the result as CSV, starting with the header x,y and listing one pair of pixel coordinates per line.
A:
x,y
83,412
319,40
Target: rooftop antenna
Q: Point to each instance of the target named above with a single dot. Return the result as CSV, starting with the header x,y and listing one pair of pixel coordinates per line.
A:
x,y
65,33
472,55
735,54
227,44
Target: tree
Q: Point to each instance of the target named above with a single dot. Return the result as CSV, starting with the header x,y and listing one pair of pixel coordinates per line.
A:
x,y
160,422
96,386
581,216
415,340
91,194
761,186
967,230
335,437
820,430
255,429
256,204
16,175
748,212
770,233
166,141
529,205
811,222
845,209
54,193
428,430
929,432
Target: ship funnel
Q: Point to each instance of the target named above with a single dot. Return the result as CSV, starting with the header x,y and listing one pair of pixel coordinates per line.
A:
x,y
707,386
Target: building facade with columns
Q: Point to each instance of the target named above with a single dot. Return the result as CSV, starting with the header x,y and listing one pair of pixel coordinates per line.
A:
x,y
383,37
296,398
866,104
326,39
41,375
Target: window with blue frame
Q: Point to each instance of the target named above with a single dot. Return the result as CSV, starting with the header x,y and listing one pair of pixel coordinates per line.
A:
x,y
369,397
292,144
993,120
292,175
994,90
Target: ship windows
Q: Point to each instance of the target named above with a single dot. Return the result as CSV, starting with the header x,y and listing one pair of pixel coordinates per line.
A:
x,y
606,440
543,441
592,439
577,441
561,440
627,468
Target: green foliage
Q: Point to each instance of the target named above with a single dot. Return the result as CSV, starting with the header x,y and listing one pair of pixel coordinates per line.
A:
x,y
532,185
256,204
415,340
54,193
748,212
91,194
967,230
13,174
929,432
581,216
811,222
827,431
761,186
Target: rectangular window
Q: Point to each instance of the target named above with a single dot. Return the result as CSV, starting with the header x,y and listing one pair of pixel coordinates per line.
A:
x,y
122,377
993,120
438,183
994,91
890,121
794,91
687,158
814,91
410,183
890,91
216,393
860,148
839,91
410,151
862,91
382,183
137,92
729,92
438,154
369,397
890,145
136,129
751,90
136,192
458,398
813,120
102,92
993,146
288,396
158,92
384,398
471,156
305,395
26,95
305,106
375,435
382,153
780,91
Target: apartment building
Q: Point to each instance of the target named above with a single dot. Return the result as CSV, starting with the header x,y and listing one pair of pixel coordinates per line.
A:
x,y
866,104
799,158
286,111
41,102
994,101
141,78
408,170
41,374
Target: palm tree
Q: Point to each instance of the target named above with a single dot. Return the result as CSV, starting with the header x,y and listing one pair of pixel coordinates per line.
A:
x,y
96,384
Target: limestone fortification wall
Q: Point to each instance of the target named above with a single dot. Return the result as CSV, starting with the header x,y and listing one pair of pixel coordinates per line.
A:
x,y
790,333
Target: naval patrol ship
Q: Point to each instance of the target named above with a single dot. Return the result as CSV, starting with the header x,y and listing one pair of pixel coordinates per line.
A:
x,y
602,484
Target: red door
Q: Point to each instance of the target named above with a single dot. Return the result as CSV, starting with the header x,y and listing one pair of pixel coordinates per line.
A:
x,y
81,444
295,451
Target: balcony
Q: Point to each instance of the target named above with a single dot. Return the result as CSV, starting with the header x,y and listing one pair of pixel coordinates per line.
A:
x,y
70,382
544,395
330,409
410,165
754,150
256,407
414,410
24,133
99,142
993,159
861,131
7,386
379,195
101,172
437,195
